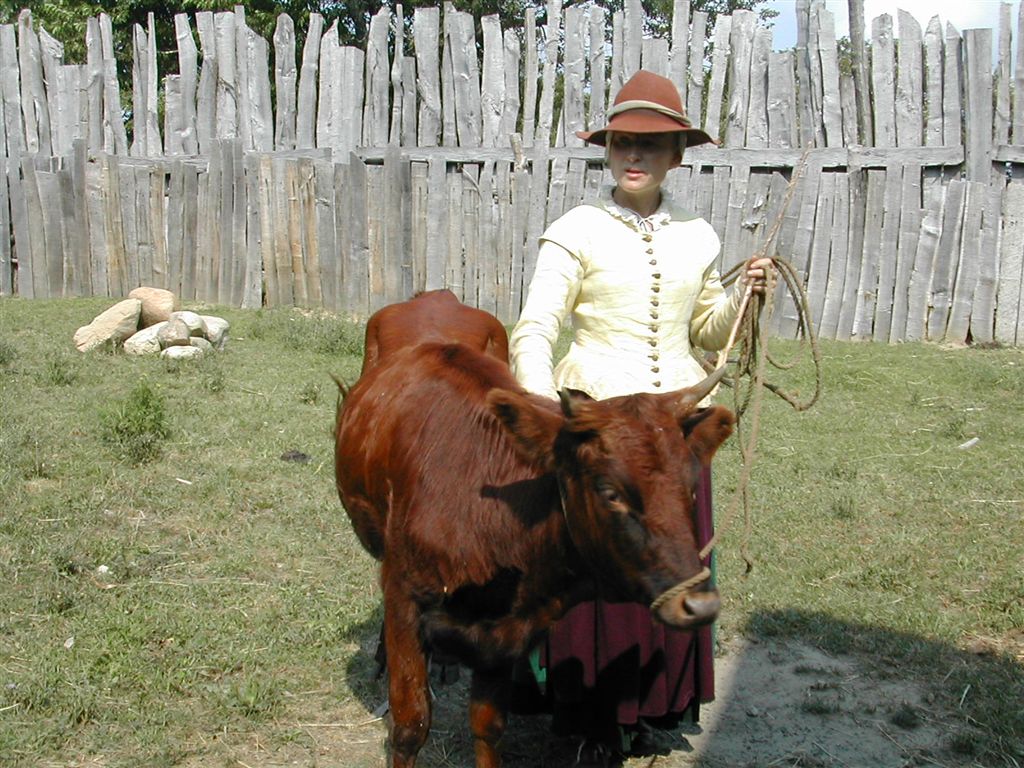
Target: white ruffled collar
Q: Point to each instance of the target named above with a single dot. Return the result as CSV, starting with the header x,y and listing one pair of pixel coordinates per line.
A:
x,y
634,220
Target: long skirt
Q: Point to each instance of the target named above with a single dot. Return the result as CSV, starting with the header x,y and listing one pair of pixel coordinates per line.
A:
x,y
609,664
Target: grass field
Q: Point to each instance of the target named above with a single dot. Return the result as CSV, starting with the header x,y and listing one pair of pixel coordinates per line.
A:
x,y
177,571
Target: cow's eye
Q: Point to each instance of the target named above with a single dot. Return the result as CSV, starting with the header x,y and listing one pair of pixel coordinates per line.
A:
x,y
610,495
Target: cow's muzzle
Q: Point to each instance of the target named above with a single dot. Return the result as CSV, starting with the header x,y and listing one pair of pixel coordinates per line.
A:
x,y
687,605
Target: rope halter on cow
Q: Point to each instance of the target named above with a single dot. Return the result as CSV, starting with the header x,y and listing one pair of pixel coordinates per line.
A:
x,y
689,399
680,589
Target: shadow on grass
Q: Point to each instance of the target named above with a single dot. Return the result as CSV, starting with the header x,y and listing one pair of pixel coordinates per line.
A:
x,y
528,741
801,688
361,669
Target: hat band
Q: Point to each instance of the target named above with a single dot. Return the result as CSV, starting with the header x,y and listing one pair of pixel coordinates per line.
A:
x,y
625,106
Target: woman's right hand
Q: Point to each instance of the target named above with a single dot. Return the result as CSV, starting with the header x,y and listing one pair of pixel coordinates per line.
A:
x,y
757,273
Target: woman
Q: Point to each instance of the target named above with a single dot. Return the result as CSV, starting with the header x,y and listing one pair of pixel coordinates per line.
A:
x,y
636,274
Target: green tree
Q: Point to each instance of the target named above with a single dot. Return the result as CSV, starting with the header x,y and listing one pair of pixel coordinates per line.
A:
x,y
66,19
658,13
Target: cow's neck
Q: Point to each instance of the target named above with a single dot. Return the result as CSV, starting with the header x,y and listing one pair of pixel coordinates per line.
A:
x,y
540,577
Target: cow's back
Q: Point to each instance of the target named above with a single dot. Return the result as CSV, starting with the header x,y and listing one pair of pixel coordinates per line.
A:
x,y
432,316
416,427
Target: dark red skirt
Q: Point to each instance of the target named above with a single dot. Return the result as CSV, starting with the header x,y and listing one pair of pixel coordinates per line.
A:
x,y
609,664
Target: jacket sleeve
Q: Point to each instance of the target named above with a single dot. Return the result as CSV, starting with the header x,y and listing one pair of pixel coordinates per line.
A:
x,y
549,300
714,312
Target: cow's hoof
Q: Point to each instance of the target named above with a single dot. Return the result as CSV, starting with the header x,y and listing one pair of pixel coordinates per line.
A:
x,y
644,741
444,669
595,754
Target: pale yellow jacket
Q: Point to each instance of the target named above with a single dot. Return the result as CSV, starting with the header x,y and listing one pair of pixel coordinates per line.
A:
x,y
641,294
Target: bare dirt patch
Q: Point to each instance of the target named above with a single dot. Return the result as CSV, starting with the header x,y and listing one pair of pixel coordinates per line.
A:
x,y
780,703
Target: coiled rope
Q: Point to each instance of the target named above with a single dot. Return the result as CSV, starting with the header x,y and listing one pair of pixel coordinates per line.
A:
x,y
751,338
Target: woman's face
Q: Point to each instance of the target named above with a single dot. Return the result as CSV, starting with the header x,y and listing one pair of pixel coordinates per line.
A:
x,y
640,161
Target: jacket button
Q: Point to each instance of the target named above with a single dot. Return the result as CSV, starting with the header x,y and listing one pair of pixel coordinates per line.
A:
x,y
656,275
650,251
656,288
653,327
653,262
654,315
655,369
654,302
654,356
653,342
656,383
647,238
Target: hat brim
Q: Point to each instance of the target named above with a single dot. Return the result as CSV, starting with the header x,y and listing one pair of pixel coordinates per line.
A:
x,y
646,121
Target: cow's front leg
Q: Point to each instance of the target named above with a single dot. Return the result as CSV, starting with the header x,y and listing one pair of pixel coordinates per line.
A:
x,y
408,695
488,713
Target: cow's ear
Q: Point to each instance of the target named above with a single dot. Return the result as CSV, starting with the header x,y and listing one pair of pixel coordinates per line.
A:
x,y
705,429
531,425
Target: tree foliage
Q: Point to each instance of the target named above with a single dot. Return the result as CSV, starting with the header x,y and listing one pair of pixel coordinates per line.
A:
x,y
658,13
66,19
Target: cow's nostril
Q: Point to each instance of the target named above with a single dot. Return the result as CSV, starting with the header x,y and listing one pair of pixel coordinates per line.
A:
x,y
703,605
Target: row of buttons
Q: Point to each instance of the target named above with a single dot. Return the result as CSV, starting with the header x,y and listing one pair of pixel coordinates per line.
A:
x,y
655,290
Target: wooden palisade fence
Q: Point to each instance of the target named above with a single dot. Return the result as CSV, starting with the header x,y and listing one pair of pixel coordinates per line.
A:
x,y
376,174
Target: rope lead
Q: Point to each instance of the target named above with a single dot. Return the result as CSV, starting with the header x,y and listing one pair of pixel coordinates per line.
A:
x,y
750,332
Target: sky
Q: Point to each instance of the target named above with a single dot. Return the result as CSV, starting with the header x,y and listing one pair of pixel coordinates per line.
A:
x,y
962,14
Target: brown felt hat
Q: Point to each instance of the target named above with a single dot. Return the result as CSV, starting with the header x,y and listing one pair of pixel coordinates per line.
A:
x,y
648,103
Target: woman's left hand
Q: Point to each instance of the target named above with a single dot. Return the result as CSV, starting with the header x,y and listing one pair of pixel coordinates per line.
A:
x,y
757,272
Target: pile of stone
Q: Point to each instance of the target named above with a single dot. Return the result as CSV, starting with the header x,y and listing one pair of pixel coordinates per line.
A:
x,y
149,322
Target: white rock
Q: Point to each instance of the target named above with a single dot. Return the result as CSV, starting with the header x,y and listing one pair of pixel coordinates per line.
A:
x,y
200,343
157,304
182,353
174,333
216,330
196,326
145,342
114,325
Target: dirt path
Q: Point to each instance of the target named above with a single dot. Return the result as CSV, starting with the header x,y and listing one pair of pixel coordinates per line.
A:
x,y
792,705
779,704
787,704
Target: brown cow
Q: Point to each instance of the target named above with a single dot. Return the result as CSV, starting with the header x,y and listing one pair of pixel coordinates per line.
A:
x,y
432,315
493,511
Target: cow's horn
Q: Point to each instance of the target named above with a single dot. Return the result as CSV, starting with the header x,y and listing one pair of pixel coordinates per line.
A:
x,y
693,395
343,388
565,398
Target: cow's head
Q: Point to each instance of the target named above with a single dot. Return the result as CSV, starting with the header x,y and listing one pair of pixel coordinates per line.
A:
x,y
628,468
